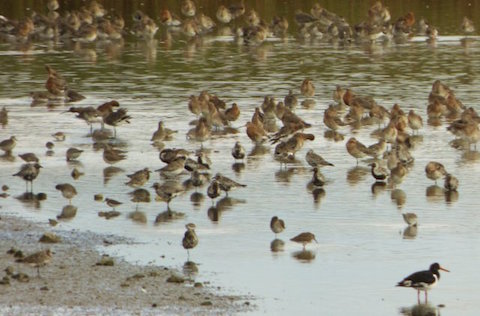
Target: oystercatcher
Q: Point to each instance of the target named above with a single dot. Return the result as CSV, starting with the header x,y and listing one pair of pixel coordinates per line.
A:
x,y
423,280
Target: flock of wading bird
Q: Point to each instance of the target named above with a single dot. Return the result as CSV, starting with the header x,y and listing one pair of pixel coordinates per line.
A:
x,y
92,22
389,158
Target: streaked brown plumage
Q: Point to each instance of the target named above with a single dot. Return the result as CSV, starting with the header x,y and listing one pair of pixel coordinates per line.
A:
x,y
68,191
315,160
73,153
138,178
29,157
435,170
238,152
29,172
277,225
190,239
7,145
304,238
37,259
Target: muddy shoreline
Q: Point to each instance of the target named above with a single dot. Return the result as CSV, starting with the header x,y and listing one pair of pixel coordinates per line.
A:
x,y
79,280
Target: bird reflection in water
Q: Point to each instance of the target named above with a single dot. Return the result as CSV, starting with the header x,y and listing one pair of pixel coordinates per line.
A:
x,y
68,212
357,174
190,269
228,203
420,310
410,232
238,167
378,187
451,196
109,172
214,214
284,175
434,193
277,245
168,216
259,150
197,198
399,197
333,135
138,217
32,200
304,255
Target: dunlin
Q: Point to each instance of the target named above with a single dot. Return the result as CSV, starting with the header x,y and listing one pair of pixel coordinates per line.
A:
x,y
435,170
116,118
378,172
138,178
410,219
112,203
315,160
168,190
398,173
162,133
451,182
29,172
304,238
423,280
7,145
174,168
198,178
238,152
203,160
190,239
213,190
73,153
29,157
226,184
68,191
37,259
277,225
59,136
88,114
168,155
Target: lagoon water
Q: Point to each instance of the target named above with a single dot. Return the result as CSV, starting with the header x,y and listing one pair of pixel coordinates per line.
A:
x,y
363,250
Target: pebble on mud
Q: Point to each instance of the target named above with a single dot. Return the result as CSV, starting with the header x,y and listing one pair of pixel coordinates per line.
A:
x,y
50,238
175,278
106,261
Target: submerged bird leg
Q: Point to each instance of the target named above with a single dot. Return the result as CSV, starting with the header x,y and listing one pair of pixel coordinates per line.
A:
x,y
426,297
418,296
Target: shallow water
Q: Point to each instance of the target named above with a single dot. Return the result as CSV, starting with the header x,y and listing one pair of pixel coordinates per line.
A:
x,y
362,251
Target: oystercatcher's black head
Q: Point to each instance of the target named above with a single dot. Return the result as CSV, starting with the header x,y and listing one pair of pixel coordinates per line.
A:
x,y
435,267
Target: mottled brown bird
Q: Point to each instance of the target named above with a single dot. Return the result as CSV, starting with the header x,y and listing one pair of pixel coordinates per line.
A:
x,y
190,239
435,170
304,238
68,191
37,259
277,225
29,172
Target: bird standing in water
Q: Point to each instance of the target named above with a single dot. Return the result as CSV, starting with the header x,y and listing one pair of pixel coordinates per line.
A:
x,y
423,280
190,239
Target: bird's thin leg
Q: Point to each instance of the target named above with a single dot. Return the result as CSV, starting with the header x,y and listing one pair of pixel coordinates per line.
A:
x,y
418,296
426,297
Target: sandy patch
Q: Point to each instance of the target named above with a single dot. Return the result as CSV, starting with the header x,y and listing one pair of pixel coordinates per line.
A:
x,y
74,284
